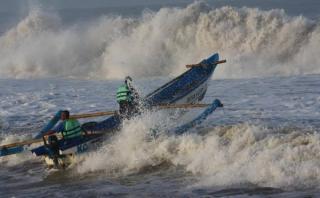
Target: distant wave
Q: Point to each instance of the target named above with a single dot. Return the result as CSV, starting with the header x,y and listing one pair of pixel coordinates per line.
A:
x,y
255,43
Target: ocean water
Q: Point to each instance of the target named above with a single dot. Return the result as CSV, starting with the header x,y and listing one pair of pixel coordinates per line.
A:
x,y
264,142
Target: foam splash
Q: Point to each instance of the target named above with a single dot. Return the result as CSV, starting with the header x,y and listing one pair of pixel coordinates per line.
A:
x,y
129,151
225,156
17,159
245,154
255,42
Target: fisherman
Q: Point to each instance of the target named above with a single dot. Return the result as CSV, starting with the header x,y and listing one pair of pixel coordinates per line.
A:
x,y
69,128
128,99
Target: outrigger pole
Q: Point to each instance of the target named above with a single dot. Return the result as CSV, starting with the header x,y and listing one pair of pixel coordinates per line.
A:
x,y
4,148
206,64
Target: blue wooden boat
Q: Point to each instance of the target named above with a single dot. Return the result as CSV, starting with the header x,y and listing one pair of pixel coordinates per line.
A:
x,y
189,87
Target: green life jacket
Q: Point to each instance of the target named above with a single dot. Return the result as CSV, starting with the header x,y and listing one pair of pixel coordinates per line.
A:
x,y
124,94
72,129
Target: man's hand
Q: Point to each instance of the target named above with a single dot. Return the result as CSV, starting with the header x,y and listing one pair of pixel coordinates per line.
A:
x,y
49,133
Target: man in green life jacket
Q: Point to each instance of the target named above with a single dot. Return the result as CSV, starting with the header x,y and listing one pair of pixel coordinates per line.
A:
x,y
69,128
127,97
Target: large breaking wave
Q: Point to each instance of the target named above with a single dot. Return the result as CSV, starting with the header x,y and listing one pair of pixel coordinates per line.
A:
x,y
255,42
241,154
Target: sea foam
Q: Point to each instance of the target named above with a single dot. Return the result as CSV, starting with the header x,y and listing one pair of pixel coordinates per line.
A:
x,y
280,157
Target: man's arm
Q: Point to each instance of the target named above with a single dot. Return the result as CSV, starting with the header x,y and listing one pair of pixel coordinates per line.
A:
x,y
135,93
58,128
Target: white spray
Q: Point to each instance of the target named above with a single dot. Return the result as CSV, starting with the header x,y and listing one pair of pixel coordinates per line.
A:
x,y
225,156
255,42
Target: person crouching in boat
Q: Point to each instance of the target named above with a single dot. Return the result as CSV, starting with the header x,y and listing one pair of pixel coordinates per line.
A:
x,y
127,98
69,128
71,131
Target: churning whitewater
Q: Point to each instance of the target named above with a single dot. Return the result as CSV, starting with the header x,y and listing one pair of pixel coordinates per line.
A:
x,y
265,141
224,156
256,42
267,137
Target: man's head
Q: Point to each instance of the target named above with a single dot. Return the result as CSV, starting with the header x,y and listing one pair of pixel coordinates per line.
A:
x,y
127,80
65,115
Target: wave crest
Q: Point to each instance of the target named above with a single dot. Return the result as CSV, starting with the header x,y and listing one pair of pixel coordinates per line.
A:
x,y
255,42
226,156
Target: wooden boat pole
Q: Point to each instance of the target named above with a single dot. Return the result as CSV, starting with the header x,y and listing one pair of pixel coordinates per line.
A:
x,y
96,114
202,64
178,106
161,106
27,142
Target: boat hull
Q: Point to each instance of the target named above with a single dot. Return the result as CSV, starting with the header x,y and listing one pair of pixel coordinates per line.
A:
x,y
190,87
